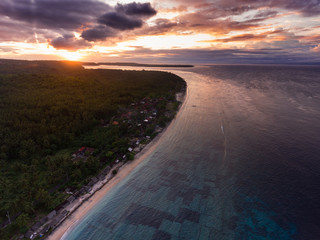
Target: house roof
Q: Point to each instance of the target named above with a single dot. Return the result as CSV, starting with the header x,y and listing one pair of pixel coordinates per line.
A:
x,y
82,149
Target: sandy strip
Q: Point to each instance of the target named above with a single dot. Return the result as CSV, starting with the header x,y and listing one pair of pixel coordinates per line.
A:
x,y
95,198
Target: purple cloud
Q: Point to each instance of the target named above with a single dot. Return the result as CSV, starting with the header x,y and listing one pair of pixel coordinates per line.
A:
x,y
69,42
53,14
119,21
97,33
140,9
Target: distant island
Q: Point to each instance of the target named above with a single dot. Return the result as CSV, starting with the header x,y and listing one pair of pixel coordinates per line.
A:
x,y
131,64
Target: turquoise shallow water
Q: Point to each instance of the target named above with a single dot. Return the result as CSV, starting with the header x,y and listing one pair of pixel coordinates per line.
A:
x,y
238,162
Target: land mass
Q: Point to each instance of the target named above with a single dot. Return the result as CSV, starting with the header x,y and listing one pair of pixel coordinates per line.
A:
x,y
64,128
131,64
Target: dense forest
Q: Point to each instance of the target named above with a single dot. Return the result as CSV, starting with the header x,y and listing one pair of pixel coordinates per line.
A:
x,y
50,109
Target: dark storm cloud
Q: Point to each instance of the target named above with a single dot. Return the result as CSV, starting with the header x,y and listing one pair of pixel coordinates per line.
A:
x,y
53,14
141,9
99,33
69,42
228,56
127,16
120,21
58,19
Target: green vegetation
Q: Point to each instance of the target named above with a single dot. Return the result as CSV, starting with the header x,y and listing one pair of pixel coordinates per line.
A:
x,y
48,110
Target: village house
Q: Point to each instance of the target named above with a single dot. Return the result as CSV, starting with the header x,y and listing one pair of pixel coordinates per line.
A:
x,y
52,214
137,149
71,199
36,226
83,152
44,231
87,188
30,234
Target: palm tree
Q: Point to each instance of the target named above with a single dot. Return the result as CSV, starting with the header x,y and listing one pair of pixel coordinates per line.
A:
x,y
23,220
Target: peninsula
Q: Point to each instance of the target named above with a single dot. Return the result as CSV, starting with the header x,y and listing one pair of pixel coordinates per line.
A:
x,y
66,131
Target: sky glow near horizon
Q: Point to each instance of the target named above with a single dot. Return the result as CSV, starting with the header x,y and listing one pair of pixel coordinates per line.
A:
x,y
170,31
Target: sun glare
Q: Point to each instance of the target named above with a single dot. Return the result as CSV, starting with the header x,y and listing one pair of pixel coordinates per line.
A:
x,y
72,56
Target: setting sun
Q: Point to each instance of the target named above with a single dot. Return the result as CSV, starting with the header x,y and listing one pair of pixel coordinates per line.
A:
x,y
72,56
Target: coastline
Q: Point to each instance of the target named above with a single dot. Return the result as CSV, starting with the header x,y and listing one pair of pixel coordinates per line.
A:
x,y
103,187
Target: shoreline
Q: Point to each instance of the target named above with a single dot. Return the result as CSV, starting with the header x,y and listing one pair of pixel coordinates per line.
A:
x,y
102,188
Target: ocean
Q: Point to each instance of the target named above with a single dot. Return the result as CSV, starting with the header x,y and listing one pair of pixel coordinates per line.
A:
x,y
241,160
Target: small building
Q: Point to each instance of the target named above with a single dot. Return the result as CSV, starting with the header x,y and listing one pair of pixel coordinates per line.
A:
x,y
82,191
71,199
64,213
137,149
44,231
106,170
87,188
53,223
52,214
89,150
90,184
130,149
68,191
82,152
115,123
56,221
94,180
82,149
43,220
101,177
30,235
36,226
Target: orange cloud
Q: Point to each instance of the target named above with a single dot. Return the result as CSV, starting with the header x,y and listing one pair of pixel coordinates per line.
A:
x,y
251,37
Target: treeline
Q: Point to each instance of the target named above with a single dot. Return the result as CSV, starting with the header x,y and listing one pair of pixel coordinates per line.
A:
x,y
136,64
47,110
41,113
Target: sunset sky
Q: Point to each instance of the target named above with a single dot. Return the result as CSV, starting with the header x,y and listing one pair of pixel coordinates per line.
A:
x,y
166,31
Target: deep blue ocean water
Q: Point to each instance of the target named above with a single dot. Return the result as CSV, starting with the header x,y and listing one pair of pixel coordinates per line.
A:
x,y
240,161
